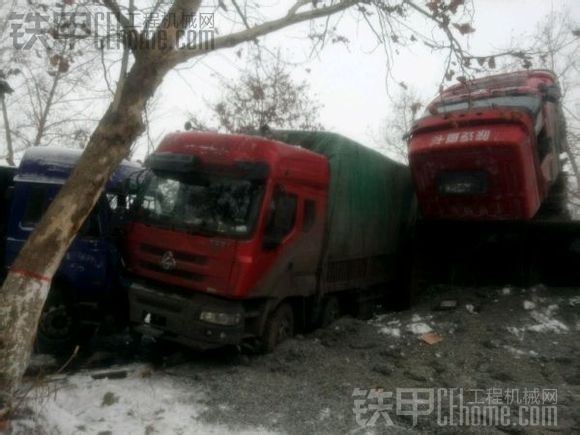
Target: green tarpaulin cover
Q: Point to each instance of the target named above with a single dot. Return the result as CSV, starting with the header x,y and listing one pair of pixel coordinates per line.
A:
x,y
371,198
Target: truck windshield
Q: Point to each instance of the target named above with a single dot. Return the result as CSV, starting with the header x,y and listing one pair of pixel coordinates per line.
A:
x,y
529,102
206,204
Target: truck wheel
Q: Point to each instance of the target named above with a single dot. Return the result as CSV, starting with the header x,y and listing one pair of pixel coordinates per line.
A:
x,y
59,325
279,327
330,311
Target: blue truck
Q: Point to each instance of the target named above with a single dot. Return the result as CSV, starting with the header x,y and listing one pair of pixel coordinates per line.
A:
x,y
88,288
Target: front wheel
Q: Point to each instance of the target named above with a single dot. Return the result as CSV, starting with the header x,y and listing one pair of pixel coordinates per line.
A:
x,y
59,328
279,327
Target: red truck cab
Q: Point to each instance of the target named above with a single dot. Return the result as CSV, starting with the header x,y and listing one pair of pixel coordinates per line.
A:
x,y
489,149
218,218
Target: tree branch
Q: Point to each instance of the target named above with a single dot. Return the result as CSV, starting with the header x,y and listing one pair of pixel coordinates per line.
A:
x,y
173,23
241,14
113,6
260,30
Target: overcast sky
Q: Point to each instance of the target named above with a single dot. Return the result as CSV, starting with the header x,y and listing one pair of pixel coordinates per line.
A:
x,y
351,81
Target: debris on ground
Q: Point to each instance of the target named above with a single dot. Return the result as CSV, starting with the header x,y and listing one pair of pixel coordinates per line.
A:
x,y
431,338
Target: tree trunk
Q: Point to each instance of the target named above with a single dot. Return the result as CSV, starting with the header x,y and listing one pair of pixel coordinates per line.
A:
x,y
9,148
26,287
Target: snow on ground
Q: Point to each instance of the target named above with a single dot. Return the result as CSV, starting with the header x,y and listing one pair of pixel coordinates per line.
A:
x,y
417,325
544,319
145,402
539,315
307,385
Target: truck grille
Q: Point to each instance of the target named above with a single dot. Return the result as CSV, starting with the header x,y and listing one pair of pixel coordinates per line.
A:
x,y
173,272
179,256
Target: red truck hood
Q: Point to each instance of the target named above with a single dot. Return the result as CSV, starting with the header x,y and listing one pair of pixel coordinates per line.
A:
x,y
494,142
184,260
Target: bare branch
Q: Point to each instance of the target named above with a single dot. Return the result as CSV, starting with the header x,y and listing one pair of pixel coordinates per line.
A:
x,y
174,22
113,6
297,6
241,14
260,30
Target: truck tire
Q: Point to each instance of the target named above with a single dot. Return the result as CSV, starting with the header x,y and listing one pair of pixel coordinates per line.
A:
x,y
59,326
279,327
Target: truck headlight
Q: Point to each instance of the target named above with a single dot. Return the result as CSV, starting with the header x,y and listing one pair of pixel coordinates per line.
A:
x,y
462,183
223,319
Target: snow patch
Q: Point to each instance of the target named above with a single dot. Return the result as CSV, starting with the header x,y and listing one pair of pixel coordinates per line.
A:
x,y
419,328
519,352
418,325
392,331
544,319
324,414
134,405
518,332
574,301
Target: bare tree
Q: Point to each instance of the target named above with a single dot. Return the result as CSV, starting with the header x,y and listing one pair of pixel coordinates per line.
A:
x,y
54,96
264,95
405,108
26,287
4,90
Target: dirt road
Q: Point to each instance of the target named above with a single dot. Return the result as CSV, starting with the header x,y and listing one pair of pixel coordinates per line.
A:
x,y
515,349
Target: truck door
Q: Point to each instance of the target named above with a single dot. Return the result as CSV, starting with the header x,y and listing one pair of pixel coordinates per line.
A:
x,y
290,250
309,243
86,262
84,266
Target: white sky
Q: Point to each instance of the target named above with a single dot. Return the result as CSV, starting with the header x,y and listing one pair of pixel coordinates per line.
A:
x,y
351,81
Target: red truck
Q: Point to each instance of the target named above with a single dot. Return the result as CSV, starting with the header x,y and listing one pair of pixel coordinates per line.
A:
x,y
486,164
245,239
489,150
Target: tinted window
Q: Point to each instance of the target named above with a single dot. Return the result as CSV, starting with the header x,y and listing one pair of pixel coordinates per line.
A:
x,y
282,214
529,102
35,206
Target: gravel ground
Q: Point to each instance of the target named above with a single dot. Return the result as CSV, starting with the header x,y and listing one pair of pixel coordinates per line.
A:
x,y
495,340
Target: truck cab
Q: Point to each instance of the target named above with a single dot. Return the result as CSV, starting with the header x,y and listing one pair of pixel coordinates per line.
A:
x,y
88,286
489,149
225,228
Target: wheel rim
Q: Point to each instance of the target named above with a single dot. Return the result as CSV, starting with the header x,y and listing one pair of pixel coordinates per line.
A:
x,y
56,322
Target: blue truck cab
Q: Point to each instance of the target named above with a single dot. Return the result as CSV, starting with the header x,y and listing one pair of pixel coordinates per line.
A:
x,y
88,287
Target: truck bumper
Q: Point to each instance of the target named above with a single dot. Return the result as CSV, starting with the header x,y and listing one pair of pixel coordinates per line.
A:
x,y
177,318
